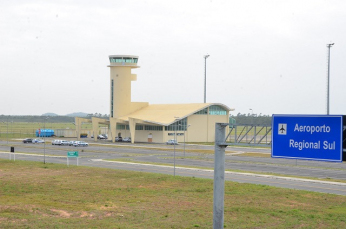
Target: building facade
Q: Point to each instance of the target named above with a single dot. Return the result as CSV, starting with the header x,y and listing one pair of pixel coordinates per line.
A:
x,y
143,122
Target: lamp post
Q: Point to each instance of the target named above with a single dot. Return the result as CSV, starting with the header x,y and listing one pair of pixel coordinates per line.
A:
x,y
175,138
205,77
7,130
252,120
44,141
12,128
328,77
75,124
184,138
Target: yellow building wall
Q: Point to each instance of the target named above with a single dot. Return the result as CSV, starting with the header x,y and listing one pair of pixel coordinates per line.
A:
x,y
70,133
142,135
211,125
198,131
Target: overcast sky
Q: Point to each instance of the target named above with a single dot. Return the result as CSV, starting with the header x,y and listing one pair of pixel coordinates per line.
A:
x,y
270,56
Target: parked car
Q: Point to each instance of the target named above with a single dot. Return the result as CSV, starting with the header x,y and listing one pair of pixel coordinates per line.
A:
x,y
127,139
56,142
80,143
70,143
172,142
37,140
118,139
64,143
27,140
101,137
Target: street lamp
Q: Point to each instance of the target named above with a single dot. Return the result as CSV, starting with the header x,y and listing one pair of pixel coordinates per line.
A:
x,y
44,141
205,77
328,46
175,137
184,137
76,130
12,128
252,121
7,130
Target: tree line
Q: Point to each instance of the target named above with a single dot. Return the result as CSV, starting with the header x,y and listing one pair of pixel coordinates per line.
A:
x,y
35,118
252,119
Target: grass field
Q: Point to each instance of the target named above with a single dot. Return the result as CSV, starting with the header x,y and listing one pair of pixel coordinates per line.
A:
x,y
37,195
28,129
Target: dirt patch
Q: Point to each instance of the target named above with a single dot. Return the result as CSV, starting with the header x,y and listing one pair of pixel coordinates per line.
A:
x,y
62,213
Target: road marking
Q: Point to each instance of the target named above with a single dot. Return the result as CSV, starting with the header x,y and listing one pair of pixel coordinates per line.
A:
x,y
229,172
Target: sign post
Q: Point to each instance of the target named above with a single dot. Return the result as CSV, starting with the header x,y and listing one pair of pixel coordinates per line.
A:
x,y
72,154
12,152
309,137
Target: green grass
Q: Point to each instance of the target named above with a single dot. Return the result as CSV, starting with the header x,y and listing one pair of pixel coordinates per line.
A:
x,y
36,195
28,129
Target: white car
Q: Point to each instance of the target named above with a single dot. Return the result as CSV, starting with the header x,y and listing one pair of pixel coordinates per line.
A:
x,y
70,143
80,143
172,142
37,140
56,142
64,143
127,139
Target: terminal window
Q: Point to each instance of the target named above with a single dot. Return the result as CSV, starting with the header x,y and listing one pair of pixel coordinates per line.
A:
x,y
123,60
122,127
178,125
202,112
217,110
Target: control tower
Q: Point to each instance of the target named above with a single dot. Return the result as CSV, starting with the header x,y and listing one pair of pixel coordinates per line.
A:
x,y
120,85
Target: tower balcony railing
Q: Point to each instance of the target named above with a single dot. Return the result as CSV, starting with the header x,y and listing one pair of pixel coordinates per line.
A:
x,y
123,64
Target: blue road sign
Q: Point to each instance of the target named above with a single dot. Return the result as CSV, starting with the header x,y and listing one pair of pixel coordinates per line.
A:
x,y
310,137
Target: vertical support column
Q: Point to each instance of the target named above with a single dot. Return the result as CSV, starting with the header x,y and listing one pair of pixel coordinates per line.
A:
x,y
95,124
219,175
132,125
113,124
78,124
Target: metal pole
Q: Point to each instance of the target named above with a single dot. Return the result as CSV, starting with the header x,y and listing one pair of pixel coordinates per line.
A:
x,y
175,133
7,130
252,121
184,143
205,77
219,175
328,77
44,141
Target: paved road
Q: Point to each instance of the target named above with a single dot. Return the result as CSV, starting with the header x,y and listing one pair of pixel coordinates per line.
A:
x,y
196,156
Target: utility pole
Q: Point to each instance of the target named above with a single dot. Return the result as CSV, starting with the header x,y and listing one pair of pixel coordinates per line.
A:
x,y
219,175
44,141
328,77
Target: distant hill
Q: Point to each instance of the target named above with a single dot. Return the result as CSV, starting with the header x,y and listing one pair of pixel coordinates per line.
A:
x,y
49,114
77,114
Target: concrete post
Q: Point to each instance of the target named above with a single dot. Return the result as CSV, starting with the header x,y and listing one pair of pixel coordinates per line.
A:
x,y
219,175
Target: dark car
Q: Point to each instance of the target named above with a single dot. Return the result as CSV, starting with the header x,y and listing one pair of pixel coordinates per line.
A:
x,y
27,140
118,139
101,137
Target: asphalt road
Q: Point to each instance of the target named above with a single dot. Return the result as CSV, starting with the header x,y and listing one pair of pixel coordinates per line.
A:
x,y
196,156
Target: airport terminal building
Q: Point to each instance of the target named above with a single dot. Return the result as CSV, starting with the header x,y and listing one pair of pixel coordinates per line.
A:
x,y
145,122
